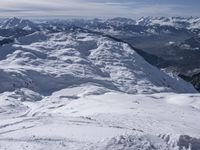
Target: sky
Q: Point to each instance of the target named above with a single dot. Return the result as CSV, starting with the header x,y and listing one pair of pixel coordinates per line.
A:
x,y
99,8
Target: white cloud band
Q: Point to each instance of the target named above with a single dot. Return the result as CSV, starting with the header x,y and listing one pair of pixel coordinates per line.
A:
x,y
82,8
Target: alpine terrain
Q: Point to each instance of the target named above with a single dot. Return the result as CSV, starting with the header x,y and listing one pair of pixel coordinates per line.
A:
x,y
86,84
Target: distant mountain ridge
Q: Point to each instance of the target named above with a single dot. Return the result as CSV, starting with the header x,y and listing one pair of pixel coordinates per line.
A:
x,y
18,23
178,22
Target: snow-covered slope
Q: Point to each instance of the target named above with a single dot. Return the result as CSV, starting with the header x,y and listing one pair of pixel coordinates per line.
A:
x,y
79,90
71,120
49,62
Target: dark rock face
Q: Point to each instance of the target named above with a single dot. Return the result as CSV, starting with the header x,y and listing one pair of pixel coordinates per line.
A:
x,y
195,80
187,142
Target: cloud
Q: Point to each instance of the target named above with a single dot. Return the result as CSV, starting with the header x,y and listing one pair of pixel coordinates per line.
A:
x,y
55,7
85,8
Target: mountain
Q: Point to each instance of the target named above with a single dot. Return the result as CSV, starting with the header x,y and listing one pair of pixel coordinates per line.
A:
x,y
183,55
71,85
156,49
80,58
163,42
17,23
178,22
190,23
193,43
13,28
120,21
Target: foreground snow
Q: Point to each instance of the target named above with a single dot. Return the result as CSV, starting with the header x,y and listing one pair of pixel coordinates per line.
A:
x,y
109,121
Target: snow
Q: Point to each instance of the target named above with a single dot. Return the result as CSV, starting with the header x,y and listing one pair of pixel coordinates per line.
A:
x,y
76,90
49,62
113,120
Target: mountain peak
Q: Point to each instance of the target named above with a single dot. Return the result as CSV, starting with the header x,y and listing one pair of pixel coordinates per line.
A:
x,y
19,23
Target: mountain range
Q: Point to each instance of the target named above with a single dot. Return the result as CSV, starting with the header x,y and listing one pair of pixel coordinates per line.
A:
x,y
99,84
170,43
